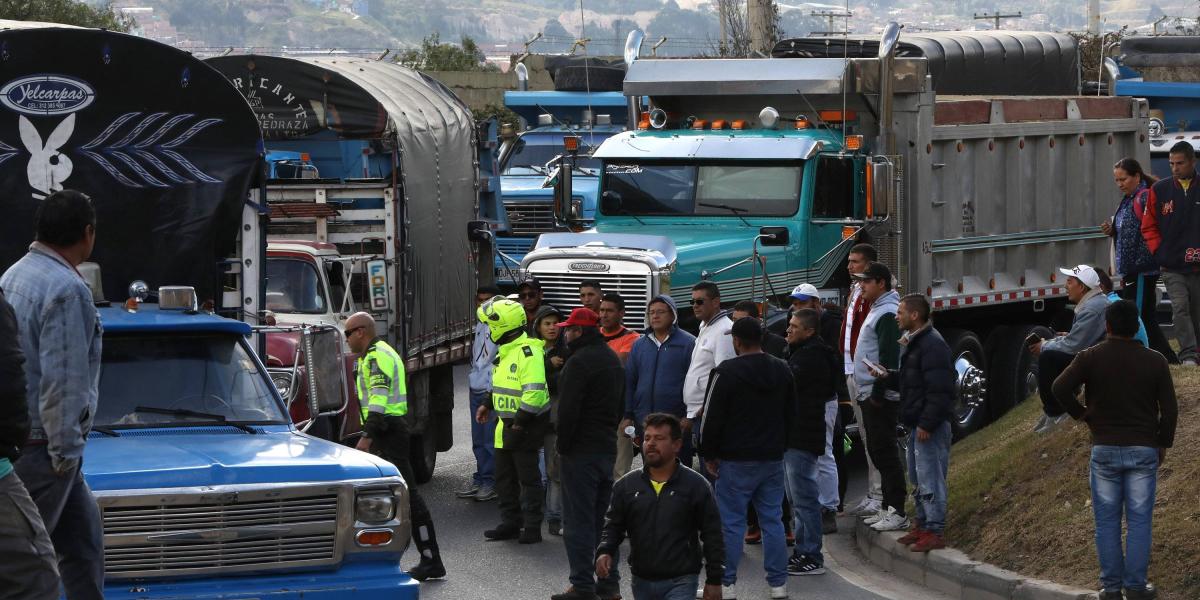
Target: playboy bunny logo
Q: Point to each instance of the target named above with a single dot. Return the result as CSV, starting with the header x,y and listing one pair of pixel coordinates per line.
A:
x,y
48,166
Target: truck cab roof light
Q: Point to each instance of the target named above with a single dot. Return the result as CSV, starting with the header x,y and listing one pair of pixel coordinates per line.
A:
x,y
837,116
802,122
545,120
644,121
699,124
854,142
304,156
738,124
719,124
571,143
769,117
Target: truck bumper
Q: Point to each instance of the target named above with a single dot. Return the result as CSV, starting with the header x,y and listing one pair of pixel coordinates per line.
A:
x,y
380,580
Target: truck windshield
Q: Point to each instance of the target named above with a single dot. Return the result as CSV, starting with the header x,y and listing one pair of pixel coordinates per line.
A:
x,y
293,286
531,153
726,189
144,378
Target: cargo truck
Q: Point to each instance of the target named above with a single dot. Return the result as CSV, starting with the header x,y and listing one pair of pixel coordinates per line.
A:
x,y
205,487
760,174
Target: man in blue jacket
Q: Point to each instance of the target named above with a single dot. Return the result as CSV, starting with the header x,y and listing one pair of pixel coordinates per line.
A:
x,y
656,369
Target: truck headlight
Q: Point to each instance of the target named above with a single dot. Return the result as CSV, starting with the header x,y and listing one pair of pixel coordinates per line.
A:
x,y
283,383
374,507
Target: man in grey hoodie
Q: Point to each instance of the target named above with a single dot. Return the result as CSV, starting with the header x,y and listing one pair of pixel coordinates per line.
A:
x,y
1087,330
479,381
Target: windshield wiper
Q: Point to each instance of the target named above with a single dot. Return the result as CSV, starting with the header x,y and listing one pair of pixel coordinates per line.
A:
x,y
105,431
733,209
183,412
584,170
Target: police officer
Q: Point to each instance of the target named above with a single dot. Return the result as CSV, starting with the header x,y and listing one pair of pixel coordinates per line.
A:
x,y
521,400
383,395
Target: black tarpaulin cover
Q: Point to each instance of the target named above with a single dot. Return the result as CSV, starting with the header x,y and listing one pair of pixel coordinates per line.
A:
x,y
968,62
164,146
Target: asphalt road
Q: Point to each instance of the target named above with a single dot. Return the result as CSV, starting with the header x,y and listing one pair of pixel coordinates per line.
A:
x,y
478,569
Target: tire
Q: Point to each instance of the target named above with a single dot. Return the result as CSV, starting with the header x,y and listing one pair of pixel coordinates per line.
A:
x,y
1013,369
971,399
423,457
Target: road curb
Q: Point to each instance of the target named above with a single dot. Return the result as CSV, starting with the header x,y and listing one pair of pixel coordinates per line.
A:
x,y
953,573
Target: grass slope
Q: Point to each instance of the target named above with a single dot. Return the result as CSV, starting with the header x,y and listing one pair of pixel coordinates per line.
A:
x,y
1021,501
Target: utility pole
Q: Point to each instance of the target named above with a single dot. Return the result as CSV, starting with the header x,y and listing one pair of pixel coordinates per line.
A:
x,y
830,15
996,16
724,31
1093,15
758,18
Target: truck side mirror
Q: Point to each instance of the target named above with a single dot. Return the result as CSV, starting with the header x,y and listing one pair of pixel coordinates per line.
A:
x,y
561,178
773,236
881,186
610,202
478,231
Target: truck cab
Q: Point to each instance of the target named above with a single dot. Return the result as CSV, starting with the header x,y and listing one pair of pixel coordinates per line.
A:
x,y
205,487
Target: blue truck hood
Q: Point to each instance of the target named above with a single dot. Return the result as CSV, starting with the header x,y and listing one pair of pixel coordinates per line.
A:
x,y
201,456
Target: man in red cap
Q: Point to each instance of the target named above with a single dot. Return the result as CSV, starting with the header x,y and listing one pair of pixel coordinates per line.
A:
x,y
591,390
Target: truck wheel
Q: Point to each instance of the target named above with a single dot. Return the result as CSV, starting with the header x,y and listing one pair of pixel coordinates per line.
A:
x,y
1014,370
970,406
423,457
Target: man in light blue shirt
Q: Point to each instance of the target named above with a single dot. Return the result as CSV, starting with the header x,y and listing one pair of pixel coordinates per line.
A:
x,y
483,483
60,337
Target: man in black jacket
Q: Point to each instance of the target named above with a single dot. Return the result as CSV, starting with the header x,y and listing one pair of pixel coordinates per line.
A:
x,y
591,397
671,518
29,568
817,373
926,382
748,412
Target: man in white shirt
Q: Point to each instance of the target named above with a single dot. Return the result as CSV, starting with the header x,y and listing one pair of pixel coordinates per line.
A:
x,y
714,345
860,256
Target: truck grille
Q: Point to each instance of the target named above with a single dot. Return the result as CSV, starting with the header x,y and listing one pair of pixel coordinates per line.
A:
x,y
561,290
530,218
206,533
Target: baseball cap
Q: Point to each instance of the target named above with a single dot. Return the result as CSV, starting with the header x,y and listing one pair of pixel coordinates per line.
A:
x,y
532,282
875,270
747,329
1084,273
805,291
583,317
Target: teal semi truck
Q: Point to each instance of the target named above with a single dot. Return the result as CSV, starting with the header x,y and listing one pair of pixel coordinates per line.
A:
x,y
760,174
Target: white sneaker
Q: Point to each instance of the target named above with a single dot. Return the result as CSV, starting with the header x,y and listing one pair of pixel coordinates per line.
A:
x,y
1052,423
700,591
892,522
868,507
728,592
880,515
1041,423
779,592
1188,362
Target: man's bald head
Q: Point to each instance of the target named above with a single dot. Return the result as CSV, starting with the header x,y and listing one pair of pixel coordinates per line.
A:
x,y
360,330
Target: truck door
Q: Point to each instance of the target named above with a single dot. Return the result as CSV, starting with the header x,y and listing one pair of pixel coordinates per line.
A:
x,y
836,205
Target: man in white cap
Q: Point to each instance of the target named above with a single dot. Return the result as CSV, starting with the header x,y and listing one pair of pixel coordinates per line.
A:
x,y
829,328
1083,290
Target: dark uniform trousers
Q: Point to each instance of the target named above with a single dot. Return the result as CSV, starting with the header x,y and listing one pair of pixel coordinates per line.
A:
x,y
518,479
393,446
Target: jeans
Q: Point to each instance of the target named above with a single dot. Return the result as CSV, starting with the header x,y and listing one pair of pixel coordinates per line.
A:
x,y
483,444
30,568
874,487
551,463
1123,478
676,588
800,468
827,471
927,465
587,488
72,519
761,483
1147,300
1184,289
1051,364
880,420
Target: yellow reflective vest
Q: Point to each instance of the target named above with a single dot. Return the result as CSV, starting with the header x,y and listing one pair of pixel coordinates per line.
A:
x,y
381,386
519,382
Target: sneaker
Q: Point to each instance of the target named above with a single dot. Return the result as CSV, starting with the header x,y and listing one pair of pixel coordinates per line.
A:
x,y
753,536
428,568
574,594
891,522
530,535
1052,423
1188,362
912,536
779,592
868,507
1041,423
503,532
728,592
486,493
554,527
928,541
878,516
804,566
1149,593
468,492
828,521
700,591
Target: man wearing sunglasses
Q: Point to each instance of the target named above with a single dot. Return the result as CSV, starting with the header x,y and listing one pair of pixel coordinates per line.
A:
x,y
713,347
529,293
383,396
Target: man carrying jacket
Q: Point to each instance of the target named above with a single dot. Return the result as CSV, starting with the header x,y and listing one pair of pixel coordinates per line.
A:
x,y
1171,226
591,392
29,569
657,368
521,400
668,512
926,383
381,383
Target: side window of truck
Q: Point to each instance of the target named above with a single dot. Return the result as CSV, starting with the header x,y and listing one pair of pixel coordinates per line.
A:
x,y
833,195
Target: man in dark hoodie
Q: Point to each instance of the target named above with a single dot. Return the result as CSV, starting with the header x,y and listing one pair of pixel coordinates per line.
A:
x,y
748,412
656,369
30,567
545,328
591,391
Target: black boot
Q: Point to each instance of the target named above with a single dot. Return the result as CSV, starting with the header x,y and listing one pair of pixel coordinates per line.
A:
x,y
531,535
425,538
428,568
503,532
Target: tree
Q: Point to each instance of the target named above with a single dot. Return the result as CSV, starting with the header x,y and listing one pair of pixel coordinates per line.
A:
x,y
433,55
66,12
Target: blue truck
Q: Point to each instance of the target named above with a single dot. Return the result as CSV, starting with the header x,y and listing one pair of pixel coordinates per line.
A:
x,y
1165,70
205,487
528,204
